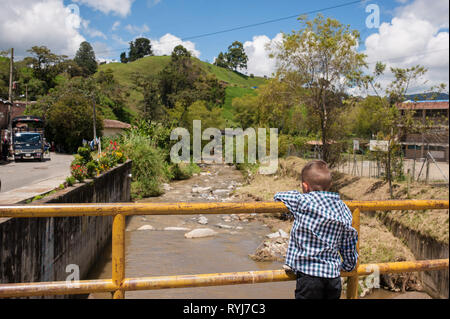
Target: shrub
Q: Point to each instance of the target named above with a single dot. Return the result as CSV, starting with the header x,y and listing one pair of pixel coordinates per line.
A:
x,y
85,154
149,168
71,180
79,172
92,168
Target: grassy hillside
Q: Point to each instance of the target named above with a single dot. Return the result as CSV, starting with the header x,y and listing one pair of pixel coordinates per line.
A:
x,y
230,93
238,84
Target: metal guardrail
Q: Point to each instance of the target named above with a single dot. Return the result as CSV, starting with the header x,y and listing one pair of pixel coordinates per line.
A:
x,y
118,284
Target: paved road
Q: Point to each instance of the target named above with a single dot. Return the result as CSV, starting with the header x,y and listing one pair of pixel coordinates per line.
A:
x,y
15,175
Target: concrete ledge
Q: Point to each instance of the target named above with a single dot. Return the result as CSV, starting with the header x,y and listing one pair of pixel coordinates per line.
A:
x,y
22,194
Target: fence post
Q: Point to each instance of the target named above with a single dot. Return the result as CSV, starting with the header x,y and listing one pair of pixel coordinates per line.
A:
x,y
362,166
118,254
352,282
408,182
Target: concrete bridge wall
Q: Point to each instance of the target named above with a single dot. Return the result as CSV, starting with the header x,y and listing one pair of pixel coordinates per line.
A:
x,y
40,249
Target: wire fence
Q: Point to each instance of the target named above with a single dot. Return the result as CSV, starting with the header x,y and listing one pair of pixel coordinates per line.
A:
x,y
425,169
420,170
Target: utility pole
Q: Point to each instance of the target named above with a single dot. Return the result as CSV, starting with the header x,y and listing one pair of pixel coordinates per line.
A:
x,y
95,130
93,106
10,93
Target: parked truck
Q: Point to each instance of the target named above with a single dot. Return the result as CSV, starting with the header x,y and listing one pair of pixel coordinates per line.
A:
x,y
28,138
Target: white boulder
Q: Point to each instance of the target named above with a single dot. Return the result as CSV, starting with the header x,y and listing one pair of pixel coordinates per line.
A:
x,y
146,227
177,228
200,232
201,189
202,220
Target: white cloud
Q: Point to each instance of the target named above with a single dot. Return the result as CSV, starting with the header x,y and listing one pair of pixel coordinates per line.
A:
x,y
414,36
118,7
134,29
92,32
115,25
165,45
27,23
119,40
259,62
151,3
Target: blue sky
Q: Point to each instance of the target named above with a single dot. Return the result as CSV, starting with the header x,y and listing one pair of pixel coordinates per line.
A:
x,y
183,18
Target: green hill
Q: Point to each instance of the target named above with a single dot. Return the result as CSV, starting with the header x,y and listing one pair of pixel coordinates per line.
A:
x,y
237,84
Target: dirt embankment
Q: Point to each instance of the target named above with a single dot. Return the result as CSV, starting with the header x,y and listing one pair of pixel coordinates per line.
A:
x,y
377,243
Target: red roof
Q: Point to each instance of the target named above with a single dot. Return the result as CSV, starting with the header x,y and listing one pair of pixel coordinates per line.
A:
x,y
441,105
115,124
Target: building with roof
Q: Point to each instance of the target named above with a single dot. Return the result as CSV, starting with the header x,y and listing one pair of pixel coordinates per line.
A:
x,y
17,109
432,138
114,127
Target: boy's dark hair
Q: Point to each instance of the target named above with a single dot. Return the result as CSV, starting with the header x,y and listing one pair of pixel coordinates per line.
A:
x,y
317,175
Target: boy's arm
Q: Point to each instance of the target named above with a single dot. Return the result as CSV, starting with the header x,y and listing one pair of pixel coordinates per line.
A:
x,y
347,248
291,199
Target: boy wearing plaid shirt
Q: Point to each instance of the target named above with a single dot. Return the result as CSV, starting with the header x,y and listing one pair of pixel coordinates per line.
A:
x,y
322,239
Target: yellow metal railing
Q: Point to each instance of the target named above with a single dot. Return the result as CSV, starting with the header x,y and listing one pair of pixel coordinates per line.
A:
x,y
118,284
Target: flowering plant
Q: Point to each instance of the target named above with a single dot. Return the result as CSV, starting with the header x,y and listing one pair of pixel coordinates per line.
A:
x,y
79,172
110,157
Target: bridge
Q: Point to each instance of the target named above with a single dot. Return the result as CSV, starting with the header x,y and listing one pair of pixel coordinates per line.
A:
x,y
119,284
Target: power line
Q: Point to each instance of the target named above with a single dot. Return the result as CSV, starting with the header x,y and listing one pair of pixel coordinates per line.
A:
x,y
271,21
255,24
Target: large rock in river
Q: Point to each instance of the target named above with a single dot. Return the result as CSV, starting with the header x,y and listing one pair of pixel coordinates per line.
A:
x,y
200,232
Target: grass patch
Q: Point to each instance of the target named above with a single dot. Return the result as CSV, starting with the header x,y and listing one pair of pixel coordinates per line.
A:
x,y
232,92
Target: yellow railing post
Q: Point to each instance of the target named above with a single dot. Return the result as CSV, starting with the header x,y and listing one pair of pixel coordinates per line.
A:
x,y
352,282
118,255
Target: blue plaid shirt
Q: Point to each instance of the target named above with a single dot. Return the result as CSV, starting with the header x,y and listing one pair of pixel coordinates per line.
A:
x,y
322,233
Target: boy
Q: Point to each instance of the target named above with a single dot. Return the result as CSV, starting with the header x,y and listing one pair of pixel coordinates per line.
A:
x,y
322,232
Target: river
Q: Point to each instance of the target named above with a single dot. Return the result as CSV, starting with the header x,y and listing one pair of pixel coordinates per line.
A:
x,y
157,252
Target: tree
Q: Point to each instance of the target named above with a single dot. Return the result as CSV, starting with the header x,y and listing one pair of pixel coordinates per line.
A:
x,y
123,58
179,53
85,58
46,65
70,121
393,123
236,57
4,77
140,48
209,117
68,113
318,63
221,61
151,106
